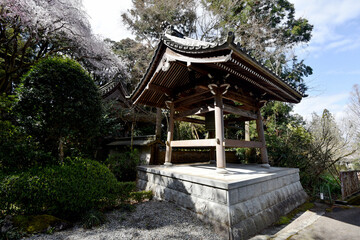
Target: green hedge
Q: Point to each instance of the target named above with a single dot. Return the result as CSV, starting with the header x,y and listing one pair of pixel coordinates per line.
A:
x,y
123,165
66,190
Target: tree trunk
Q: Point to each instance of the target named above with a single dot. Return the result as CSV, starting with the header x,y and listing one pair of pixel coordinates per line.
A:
x,y
61,149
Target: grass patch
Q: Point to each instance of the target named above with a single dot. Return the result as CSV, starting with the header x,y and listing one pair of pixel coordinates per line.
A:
x,y
287,218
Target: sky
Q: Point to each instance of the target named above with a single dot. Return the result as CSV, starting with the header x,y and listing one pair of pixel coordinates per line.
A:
x,y
333,52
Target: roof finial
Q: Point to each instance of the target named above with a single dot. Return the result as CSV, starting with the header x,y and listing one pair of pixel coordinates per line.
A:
x,y
230,37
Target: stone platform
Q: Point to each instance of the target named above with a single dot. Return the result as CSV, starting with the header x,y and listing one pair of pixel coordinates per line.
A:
x,y
238,204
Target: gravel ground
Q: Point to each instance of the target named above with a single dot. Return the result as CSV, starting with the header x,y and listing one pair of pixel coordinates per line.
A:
x,y
150,220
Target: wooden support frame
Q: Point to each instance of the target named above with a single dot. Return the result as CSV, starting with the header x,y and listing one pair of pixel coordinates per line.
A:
x,y
158,123
192,120
170,135
194,143
249,102
218,142
218,91
242,143
160,89
240,112
195,98
195,111
212,142
261,136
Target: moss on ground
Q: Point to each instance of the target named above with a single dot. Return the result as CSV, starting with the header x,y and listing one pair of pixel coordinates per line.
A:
x,y
39,223
287,218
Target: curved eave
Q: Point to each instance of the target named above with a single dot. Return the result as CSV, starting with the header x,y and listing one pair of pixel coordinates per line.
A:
x,y
265,71
149,72
282,90
211,48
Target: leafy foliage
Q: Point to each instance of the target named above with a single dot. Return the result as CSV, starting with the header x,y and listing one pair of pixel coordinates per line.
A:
x,y
137,57
59,105
185,130
267,30
146,18
141,195
33,29
18,151
123,165
66,190
315,148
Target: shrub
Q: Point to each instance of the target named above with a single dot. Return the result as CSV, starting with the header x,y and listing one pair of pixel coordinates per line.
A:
x,y
124,190
59,105
141,195
66,190
92,219
123,165
18,151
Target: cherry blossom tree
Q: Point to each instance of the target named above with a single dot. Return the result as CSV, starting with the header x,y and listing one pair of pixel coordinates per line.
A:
x,y
33,29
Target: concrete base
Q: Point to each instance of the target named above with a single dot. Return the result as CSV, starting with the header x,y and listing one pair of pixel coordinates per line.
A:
x,y
238,204
167,164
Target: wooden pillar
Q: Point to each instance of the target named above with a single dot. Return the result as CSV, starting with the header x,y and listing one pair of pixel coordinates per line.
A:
x,y
212,149
247,138
170,135
158,123
219,133
261,136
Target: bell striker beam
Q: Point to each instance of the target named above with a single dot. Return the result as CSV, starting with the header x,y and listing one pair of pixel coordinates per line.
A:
x,y
170,134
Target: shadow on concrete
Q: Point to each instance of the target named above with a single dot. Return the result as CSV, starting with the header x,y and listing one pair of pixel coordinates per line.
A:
x,y
342,223
346,215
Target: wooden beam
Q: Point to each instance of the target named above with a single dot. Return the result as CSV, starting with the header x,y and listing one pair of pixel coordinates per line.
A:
x,y
240,112
192,120
195,111
192,99
160,89
242,143
194,143
246,100
193,83
195,68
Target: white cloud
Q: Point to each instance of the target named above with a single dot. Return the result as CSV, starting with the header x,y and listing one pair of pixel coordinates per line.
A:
x,y
337,44
336,104
328,16
105,17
